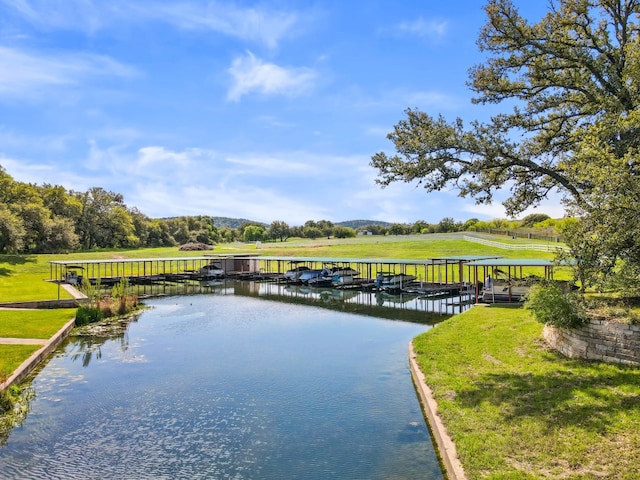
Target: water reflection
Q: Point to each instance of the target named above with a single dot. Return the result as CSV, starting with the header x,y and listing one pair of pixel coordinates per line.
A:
x,y
218,386
86,342
393,306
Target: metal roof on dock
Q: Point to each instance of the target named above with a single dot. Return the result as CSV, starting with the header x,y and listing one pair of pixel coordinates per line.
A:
x,y
124,260
512,262
408,261
519,262
400,261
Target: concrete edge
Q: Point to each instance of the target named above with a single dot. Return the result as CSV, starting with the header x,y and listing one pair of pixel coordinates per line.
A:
x,y
42,304
446,447
38,356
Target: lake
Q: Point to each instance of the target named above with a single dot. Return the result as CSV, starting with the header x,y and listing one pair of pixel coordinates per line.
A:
x,y
228,387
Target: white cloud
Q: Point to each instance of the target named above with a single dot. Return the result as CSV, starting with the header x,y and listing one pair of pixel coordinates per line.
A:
x,y
24,170
431,29
87,16
26,74
272,165
148,156
258,24
252,75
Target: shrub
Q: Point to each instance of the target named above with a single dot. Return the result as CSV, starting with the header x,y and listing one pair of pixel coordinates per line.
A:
x,y
105,305
86,315
551,305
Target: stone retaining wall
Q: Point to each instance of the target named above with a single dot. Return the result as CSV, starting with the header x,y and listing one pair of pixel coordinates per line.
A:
x,y
598,340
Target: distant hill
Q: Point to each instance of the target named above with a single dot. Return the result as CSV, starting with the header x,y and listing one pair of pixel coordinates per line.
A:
x,y
228,222
221,222
355,224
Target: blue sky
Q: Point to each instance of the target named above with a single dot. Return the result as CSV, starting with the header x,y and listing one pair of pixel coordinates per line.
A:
x,y
261,110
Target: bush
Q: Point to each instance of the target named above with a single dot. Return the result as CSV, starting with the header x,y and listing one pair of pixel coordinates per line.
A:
x,y
86,315
551,305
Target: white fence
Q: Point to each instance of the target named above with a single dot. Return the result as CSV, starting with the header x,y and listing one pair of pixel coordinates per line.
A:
x,y
516,246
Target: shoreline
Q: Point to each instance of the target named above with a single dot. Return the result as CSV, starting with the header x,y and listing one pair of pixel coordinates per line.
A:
x,y
446,449
38,356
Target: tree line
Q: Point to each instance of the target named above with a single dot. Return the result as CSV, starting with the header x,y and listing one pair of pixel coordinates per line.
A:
x,y
51,219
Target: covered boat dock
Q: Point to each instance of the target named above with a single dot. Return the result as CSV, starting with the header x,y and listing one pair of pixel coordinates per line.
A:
x,y
432,275
507,270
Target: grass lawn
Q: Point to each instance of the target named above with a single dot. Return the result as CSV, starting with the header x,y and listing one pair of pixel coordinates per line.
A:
x,y
12,356
33,323
516,410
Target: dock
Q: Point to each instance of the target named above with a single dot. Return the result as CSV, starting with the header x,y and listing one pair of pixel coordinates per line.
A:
x,y
435,277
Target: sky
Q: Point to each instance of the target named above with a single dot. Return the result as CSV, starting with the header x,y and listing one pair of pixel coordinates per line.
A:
x,y
265,110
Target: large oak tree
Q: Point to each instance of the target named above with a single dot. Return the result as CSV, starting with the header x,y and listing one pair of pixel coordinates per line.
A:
x,y
571,83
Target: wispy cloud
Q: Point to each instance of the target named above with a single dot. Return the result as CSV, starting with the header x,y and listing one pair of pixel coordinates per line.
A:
x,y
257,24
252,75
25,74
432,29
82,15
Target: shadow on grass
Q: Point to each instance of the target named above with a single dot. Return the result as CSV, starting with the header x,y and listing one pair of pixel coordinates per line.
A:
x,y
13,260
583,395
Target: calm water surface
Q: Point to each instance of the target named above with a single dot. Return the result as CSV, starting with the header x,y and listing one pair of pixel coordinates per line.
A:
x,y
229,387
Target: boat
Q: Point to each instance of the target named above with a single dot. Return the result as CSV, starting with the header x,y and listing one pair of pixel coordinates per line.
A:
x,y
293,274
73,275
508,289
505,291
210,271
322,280
342,275
393,281
307,276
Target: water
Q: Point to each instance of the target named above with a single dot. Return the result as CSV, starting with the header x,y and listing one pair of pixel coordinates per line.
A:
x,y
229,387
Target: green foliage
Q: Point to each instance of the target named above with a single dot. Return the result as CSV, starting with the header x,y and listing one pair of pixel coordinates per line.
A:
x,y
37,219
344,232
12,231
311,232
121,289
254,233
531,220
447,224
10,397
399,229
86,315
92,291
279,230
470,224
552,305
